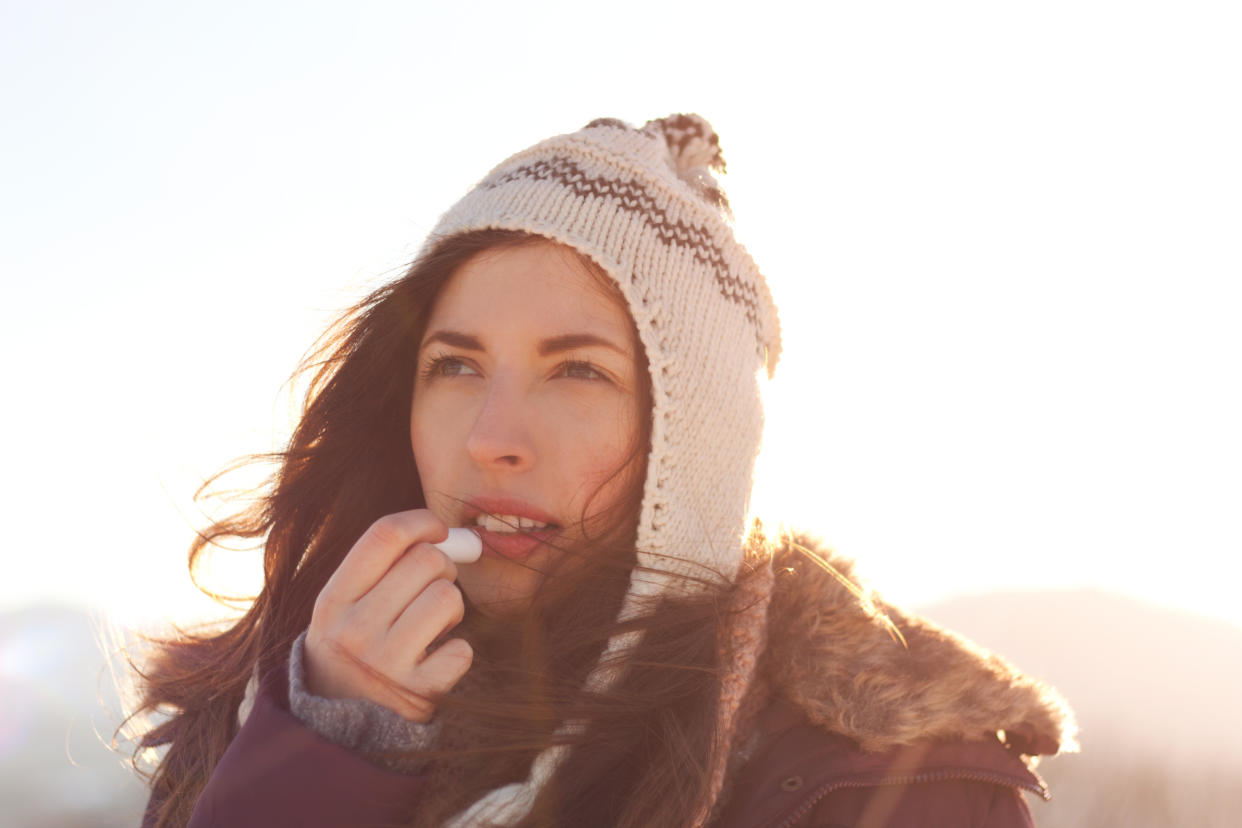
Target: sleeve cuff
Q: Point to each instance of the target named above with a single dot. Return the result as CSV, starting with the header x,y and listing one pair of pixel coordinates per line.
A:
x,y
357,724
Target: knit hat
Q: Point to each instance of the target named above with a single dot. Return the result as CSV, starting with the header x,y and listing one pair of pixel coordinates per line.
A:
x,y
644,206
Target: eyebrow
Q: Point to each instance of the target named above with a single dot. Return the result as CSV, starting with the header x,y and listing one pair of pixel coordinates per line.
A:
x,y
551,345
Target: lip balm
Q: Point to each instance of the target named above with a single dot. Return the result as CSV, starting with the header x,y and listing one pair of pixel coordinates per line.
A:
x,y
461,546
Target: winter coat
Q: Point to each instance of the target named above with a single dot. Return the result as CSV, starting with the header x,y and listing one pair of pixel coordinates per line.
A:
x,y
873,718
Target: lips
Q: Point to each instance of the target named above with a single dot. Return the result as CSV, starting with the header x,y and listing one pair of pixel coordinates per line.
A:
x,y
511,545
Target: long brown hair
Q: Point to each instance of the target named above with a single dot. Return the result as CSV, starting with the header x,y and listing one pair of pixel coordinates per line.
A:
x,y
641,759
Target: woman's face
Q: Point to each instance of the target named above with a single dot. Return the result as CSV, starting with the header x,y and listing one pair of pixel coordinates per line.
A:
x,y
526,407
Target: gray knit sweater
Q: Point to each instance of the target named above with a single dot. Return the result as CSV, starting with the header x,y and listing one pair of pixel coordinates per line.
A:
x,y
356,724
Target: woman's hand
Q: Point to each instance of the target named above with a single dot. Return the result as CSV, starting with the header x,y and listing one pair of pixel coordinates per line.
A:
x,y
379,612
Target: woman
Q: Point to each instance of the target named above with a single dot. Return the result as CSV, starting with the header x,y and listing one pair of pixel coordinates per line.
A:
x,y
572,367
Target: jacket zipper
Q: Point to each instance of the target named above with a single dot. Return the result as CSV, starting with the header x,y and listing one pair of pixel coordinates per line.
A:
x,y
937,776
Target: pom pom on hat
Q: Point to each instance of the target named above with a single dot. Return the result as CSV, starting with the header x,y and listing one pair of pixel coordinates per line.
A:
x,y
691,141
694,153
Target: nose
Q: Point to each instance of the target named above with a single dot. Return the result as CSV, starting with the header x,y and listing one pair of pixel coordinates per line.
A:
x,y
500,435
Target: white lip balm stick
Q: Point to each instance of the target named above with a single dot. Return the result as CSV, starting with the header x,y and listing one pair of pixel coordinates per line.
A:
x,y
461,546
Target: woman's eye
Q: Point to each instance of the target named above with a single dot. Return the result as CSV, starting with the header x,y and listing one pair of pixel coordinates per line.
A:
x,y
447,367
575,369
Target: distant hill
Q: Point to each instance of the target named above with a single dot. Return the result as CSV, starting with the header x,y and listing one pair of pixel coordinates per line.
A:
x,y
58,710
1157,692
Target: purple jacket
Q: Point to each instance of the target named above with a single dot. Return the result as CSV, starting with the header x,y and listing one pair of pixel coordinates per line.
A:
x,y
279,772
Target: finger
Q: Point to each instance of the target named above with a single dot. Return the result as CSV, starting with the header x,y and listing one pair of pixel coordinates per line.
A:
x,y
435,676
377,550
402,584
440,671
436,609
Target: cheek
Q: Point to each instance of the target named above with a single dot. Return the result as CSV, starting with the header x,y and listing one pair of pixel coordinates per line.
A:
x,y
596,450
428,439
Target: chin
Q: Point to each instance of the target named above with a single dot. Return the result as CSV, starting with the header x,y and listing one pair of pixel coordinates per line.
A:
x,y
503,594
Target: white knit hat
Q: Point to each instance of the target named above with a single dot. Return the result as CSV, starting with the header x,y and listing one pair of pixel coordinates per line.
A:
x,y
643,205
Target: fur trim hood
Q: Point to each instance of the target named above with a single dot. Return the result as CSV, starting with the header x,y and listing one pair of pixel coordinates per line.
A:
x,y
864,669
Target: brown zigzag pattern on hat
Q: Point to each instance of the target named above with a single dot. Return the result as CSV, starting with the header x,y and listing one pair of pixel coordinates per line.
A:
x,y
633,197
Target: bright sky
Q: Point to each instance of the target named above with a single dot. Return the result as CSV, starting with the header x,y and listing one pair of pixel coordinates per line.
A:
x,y
1004,239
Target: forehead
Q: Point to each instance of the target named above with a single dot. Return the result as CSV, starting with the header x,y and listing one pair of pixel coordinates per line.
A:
x,y
540,284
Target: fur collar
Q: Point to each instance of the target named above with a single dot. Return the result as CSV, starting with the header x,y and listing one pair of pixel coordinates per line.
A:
x,y
883,678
